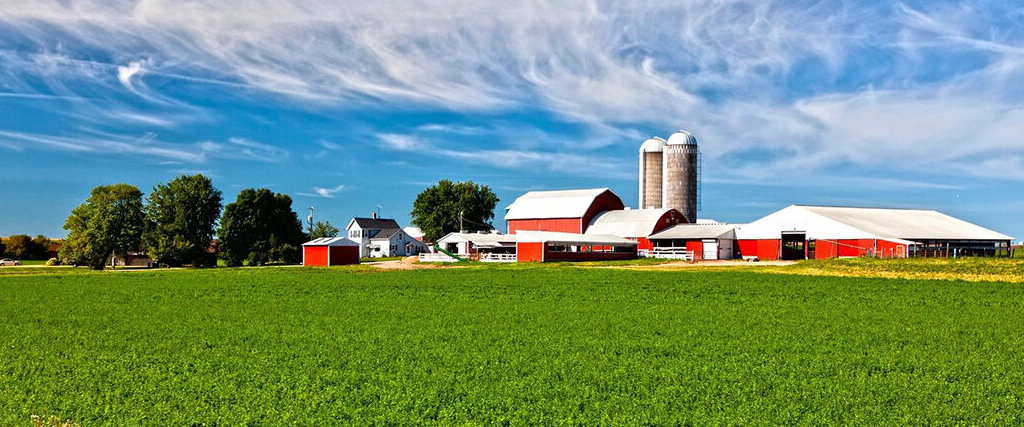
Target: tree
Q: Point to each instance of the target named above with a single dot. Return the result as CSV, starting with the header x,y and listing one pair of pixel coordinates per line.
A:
x,y
259,227
322,229
3,248
182,216
20,246
110,222
437,209
40,247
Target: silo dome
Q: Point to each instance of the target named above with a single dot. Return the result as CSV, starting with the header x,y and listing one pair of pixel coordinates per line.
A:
x,y
682,137
653,145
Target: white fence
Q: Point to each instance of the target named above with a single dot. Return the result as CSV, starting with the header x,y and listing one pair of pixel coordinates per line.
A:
x,y
436,257
670,253
489,257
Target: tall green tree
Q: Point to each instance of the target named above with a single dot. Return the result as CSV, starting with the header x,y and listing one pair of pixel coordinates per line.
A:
x,y
437,209
322,229
260,227
182,217
110,222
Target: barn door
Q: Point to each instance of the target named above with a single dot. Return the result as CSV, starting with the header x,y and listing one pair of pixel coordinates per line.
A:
x,y
794,245
711,249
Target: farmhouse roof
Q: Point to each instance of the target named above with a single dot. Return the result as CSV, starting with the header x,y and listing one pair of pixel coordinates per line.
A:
x,y
385,234
374,223
553,204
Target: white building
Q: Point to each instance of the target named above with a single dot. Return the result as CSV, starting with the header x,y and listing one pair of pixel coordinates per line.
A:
x,y
468,244
382,237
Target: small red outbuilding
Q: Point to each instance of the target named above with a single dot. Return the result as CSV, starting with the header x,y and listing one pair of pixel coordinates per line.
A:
x,y
328,251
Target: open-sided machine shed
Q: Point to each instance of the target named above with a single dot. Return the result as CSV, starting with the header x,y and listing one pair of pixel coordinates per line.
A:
x,y
548,246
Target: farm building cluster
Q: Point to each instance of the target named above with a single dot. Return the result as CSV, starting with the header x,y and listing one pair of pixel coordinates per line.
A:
x,y
595,225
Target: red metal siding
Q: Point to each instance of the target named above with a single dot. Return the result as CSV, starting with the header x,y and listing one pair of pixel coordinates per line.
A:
x,y
891,249
670,218
606,201
529,252
763,249
644,243
588,256
315,256
343,255
697,247
564,225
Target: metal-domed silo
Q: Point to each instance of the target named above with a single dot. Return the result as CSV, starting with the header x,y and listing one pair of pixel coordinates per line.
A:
x,y
651,176
681,163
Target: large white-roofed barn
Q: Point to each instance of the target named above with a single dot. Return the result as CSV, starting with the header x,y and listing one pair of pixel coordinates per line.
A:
x,y
818,232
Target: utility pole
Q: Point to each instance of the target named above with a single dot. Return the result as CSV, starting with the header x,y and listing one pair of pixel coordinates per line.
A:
x,y
462,229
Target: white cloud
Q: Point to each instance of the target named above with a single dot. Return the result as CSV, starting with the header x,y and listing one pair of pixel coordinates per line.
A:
x,y
811,85
324,192
125,73
147,145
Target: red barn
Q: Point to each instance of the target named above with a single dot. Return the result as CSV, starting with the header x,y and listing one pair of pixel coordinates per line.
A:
x,y
635,224
818,232
328,251
566,211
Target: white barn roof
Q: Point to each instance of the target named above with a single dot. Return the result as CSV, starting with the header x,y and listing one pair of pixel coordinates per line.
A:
x,y
627,223
698,231
331,241
479,239
553,204
572,238
826,222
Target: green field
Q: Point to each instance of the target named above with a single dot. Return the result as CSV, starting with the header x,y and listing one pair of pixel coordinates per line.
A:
x,y
506,346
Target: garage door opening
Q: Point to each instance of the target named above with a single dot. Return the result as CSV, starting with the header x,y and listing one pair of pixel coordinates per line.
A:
x,y
794,245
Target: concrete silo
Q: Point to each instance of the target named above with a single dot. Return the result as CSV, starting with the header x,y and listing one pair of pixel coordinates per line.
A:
x,y
651,176
680,168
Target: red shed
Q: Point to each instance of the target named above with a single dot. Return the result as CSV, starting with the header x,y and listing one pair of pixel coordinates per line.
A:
x,y
328,251
566,211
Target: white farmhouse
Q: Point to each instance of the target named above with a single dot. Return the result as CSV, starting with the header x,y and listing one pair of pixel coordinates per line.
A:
x,y
382,237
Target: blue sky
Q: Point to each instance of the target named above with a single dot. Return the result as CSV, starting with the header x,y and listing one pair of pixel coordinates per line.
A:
x,y
346,106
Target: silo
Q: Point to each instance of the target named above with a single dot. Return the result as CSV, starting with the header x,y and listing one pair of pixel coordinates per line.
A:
x,y
650,178
680,169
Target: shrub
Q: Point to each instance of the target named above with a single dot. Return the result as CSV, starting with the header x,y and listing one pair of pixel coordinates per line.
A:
x,y
52,262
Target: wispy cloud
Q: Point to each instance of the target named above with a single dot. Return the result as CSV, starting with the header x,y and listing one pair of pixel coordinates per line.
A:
x,y
147,145
324,192
555,161
735,71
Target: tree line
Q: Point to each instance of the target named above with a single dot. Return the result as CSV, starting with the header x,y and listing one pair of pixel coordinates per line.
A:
x,y
22,246
177,222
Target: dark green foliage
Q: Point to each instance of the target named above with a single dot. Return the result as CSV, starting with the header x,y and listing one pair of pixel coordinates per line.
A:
x,y
183,217
110,221
260,227
322,229
20,246
544,345
436,210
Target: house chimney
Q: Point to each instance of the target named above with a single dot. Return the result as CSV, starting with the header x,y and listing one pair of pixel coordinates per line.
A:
x,y
375,215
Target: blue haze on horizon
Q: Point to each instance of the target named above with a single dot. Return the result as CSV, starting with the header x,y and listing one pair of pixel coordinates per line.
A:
x,y
346,106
